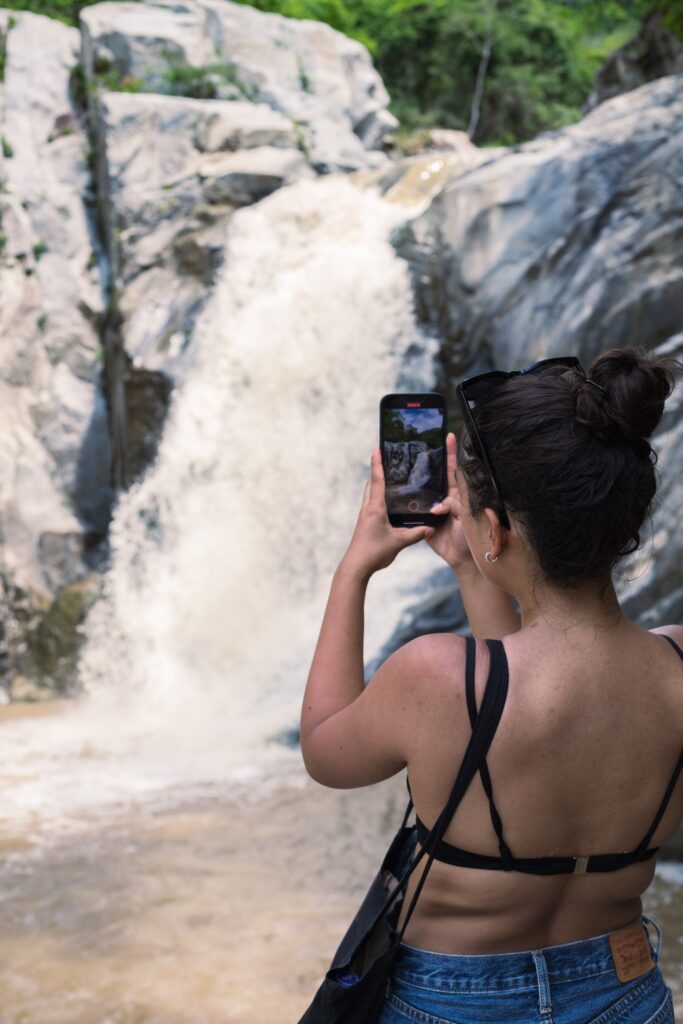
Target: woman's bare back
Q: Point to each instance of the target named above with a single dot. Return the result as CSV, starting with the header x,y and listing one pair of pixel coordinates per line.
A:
x,y
590,735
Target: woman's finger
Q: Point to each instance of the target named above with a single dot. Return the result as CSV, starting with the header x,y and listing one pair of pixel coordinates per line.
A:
x,y
451,460
408,535
376,496
446,507
366,495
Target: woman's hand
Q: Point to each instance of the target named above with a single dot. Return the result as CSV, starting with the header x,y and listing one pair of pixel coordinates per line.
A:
x,y
375,542
449,540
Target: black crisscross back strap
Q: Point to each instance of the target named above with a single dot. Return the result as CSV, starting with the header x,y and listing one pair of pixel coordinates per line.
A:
x,y
497,667
596,863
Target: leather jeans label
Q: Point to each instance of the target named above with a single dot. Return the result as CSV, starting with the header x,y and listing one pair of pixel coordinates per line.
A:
x,y
631,952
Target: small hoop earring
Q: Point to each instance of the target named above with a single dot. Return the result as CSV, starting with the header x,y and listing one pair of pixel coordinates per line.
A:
x,y
490,558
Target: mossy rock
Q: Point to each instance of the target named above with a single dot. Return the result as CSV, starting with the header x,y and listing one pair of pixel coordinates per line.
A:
x,y
52,645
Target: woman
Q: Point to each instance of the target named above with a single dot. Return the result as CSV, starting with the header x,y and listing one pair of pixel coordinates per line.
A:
x,y
520,919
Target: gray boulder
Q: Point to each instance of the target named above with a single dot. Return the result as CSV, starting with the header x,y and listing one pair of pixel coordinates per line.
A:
x,y
321,80
53,420
49,364
571,244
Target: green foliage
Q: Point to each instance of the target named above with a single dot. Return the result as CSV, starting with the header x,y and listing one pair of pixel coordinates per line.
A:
x,y
304,80
396,429
301,138
673,15
78,87
39,250
115,81
7,148
62,10
3,51
543,56
203,83
3,244
41,322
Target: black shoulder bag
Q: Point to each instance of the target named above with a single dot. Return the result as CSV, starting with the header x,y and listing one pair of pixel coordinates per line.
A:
x,y
354,987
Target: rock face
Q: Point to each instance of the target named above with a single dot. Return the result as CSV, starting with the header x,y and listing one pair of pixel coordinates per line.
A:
x,y
570,244
401,457
233,104
654,52
176,168
321,81
52,417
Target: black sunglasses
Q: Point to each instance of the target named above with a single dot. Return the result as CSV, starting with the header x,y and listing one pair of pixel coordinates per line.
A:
x,y
471,391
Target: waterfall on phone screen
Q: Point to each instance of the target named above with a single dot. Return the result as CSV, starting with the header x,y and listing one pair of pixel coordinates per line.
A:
x,y
196,657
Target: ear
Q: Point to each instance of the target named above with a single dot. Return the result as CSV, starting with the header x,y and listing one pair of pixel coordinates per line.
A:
x,y
496,535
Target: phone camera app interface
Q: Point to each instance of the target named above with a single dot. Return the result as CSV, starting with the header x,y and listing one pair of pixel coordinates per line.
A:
x,y
413,458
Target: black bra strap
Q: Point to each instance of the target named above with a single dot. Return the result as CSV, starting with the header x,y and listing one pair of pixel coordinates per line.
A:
x,y
672,781
600,862
662,807
497,665
673,644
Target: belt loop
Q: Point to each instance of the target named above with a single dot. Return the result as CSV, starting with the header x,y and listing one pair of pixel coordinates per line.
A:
x,y
655,952
544,1003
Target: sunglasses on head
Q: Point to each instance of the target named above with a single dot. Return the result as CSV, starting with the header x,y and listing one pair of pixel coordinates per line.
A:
x,y
475,389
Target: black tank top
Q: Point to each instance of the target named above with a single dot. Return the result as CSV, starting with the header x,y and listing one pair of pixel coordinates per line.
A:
x,y
539,865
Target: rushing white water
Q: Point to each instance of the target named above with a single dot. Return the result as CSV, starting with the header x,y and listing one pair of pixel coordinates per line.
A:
x,y
196,657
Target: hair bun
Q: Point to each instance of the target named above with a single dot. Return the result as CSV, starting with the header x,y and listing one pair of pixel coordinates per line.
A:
x,y
636,387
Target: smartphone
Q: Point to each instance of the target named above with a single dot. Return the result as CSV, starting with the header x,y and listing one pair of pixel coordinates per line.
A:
x,y
412,439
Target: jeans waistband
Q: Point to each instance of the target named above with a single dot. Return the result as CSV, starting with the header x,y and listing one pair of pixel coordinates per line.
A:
x,y
471,973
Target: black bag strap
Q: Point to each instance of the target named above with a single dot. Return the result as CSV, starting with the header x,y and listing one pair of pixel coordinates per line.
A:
x,y
483,732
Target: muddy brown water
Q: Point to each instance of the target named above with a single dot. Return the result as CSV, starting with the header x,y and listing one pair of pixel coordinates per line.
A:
x,y
221,912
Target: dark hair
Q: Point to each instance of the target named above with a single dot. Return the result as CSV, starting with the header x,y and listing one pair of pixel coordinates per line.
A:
x,y
574,464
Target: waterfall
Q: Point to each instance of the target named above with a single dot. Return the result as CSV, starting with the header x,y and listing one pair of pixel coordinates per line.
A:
x,y
421,472
196,657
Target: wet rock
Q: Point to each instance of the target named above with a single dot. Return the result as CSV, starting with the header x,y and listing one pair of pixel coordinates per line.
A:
x,y
26,689
245,178
148,395
652,585
49,656
195,255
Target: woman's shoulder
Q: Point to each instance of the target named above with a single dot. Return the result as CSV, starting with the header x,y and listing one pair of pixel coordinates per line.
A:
x,y
674,633
431,661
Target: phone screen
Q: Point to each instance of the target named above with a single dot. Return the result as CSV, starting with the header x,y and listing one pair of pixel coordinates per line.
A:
x,y
413,452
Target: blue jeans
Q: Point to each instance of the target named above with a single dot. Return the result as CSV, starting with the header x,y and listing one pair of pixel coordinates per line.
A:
x,y
573,983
